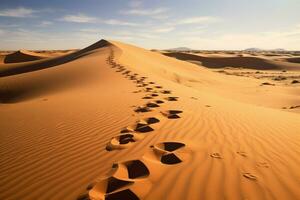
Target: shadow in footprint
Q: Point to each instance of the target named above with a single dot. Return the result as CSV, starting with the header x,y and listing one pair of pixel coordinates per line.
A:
x,y
166,91
152,105
142,109
172,114
168,153
122,195
172,98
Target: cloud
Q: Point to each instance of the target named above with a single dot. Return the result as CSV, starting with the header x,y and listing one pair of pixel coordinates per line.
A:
x,y
198,20
146,12
79,18
45,23
164,29
118,22
17,12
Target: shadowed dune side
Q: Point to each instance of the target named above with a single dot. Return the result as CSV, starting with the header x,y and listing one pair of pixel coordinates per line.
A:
x,y
13,69
23,56
238,62
24,81
293,60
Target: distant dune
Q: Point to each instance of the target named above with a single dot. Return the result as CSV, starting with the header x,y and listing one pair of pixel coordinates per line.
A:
x,y
119,122
236,61
294,60
23,56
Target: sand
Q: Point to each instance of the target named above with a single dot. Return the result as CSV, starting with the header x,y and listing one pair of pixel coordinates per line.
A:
x,y
114,121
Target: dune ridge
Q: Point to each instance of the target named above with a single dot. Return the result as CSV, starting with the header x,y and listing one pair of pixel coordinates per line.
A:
x,y
169,132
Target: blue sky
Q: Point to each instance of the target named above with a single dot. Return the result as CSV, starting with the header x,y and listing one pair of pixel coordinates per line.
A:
x,y
160,24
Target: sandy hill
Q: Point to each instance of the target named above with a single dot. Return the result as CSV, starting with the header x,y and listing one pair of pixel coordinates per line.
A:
x,y
249,62
114,121
23,56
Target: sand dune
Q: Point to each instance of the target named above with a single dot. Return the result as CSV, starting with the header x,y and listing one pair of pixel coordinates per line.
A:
x,y
294,60
238,62
23,56
114,121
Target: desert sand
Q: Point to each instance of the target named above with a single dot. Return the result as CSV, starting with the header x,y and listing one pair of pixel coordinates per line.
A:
x,y
115,121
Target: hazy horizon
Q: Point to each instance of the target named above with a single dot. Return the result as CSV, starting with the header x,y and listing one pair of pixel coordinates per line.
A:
x,y
207,25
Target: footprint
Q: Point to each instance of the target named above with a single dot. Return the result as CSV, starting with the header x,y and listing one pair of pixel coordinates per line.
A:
x,y
250,176
124,183
147,97
142,109
159,101
121,141
154,95
148,89
263,164
242,153
172,98
216,155
172,114
151,120
151,82
158,86
141,126
166,91
152,105
126,72
168,153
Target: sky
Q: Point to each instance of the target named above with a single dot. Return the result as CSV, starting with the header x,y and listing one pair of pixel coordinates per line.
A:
x,y
152,24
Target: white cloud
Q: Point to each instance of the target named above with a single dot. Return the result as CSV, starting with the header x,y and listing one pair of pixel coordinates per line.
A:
x,y
79,18
118,22
17,12
145,12
91,30
198,20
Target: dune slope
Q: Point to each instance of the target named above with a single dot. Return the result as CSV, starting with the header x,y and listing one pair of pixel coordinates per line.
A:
x,y
121,122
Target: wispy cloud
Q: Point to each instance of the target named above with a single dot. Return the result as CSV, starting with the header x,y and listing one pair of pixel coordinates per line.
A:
x,y
79,18
82,18
118,22
198,20
45,23
17,12
146,12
